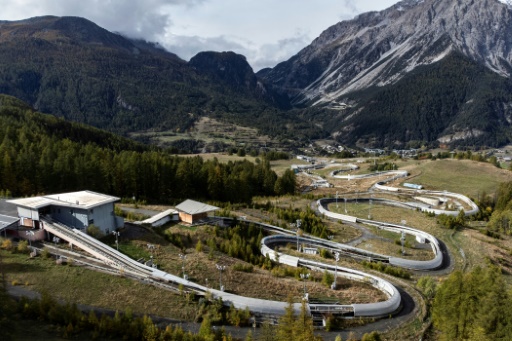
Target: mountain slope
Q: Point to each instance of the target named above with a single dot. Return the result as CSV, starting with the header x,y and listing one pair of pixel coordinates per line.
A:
x,y
72,68
356,61
44,154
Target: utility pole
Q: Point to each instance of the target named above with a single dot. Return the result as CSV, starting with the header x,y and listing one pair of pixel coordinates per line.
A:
x,y
151,247
304,277
370,207
299,222
337,257
402,240
183,257
117,234
221,268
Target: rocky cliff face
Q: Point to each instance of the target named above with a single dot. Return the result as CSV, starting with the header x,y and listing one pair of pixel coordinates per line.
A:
x,y
228,68
421,70
379,48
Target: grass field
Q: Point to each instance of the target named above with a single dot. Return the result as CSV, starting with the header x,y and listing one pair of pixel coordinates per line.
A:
x,y
460,176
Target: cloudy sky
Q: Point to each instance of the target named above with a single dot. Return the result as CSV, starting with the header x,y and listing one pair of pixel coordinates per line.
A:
x,y
265,31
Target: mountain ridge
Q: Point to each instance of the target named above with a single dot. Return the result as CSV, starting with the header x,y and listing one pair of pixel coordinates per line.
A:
x,y
418,72
375,51
385,34
72,68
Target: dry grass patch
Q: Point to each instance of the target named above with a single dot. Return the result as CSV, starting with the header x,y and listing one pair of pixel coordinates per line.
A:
x,y
83,286
480,250
467,177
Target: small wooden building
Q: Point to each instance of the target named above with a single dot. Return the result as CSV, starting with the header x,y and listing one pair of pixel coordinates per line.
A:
x,y
192,212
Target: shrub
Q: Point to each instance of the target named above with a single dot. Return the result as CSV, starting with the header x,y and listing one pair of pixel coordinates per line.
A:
x,y
373,336
325,253
199,246
94,231
7,245
46,253
327,278
390,270
22,247
243,267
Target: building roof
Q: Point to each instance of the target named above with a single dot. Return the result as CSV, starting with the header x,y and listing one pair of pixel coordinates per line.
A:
x,y
195,207
82,200
7,221
159,216
8,209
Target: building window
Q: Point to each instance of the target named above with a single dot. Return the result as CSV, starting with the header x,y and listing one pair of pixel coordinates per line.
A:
x,y
91,221
92,210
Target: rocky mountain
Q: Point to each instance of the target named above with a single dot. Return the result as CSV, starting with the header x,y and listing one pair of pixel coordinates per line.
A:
x,y
421,70
72,68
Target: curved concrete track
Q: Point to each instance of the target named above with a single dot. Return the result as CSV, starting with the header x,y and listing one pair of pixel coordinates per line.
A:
x,y
123,263
442,196
281,236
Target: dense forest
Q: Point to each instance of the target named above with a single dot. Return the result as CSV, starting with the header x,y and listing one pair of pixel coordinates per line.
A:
x,y
70,67
473,306
44,154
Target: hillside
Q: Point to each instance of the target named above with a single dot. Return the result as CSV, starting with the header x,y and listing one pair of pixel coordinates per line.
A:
x,y
429,71
418,73
44,154
454,101
72,68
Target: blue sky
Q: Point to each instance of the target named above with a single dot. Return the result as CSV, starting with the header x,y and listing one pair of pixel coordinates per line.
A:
x,y
265,31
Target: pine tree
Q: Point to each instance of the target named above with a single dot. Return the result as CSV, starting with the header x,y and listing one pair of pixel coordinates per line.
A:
x,y
268,332
286,324
304,330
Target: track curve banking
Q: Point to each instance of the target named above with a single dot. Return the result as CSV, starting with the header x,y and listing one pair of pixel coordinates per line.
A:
x,y
282,236
120,261
472,208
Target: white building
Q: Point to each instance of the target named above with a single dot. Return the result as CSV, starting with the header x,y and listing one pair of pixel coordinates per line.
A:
x,y
76,210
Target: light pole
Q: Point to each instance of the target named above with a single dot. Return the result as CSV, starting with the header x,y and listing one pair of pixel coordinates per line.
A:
x,y
183,257
299,222
402,240
336,199
117,234
337,257
304,277
151,247
29,234
370,207
221,268
345,205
